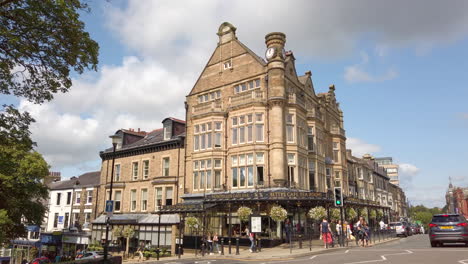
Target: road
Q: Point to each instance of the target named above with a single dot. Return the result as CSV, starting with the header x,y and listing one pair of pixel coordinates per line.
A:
x,y
413,250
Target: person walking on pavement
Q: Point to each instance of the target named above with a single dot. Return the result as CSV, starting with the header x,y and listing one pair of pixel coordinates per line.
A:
x,y
339,232
252,242
215,242
325,233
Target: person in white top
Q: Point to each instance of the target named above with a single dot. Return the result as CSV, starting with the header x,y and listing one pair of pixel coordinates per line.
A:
x,y
382,225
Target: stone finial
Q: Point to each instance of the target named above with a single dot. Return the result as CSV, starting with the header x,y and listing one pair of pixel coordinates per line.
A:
x,y
332,87
226,32
277,38
308,73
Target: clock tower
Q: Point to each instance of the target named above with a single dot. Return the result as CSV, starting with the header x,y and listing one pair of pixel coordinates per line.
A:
x,y
276,102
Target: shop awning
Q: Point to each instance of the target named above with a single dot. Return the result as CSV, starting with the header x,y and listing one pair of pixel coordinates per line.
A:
x,y
189,207
138,219
33,243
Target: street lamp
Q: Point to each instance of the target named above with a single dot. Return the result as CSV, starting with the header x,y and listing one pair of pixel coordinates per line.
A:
x,y
116,139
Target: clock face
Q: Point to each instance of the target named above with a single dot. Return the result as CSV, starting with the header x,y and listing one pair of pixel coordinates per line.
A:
x,y
270,53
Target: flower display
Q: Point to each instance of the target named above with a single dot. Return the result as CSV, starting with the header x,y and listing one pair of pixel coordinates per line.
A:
x,y
379,213
278,213
351,213
244,212
317,213
191,221
335,214
373,214
363,212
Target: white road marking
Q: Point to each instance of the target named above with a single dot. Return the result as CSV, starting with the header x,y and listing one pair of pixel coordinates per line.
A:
x,y
383,258
463,261
313,257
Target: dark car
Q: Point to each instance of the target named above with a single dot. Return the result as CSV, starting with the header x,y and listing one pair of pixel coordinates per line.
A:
x,y
448,228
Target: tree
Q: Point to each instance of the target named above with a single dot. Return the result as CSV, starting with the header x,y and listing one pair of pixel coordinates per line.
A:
x,y
21,190
128,233
41,43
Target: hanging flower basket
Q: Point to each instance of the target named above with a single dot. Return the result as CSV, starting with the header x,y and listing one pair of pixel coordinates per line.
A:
x,y
191,222
244,213
363,212
373,214
351,213
379,213
317,213
278,213
335,214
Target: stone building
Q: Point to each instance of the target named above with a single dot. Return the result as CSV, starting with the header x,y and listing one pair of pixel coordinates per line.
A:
x,y
258,135
461,198
148,174
392,169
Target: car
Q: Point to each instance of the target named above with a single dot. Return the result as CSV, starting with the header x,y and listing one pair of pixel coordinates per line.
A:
x,y
448,228
41,260
401,228
93,255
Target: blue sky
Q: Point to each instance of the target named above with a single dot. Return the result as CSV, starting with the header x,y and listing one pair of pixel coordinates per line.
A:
x,y
399,70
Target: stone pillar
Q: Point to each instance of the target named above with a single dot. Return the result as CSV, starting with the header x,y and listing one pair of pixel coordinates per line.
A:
x,y
276,99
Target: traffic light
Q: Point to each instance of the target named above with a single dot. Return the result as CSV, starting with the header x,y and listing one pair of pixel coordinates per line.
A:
x,y
338,197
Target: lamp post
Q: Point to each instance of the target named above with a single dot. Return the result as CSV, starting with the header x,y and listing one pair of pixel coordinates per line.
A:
x,y
116,139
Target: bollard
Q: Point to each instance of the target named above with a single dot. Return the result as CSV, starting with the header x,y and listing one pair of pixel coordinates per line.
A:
x,y
222,246
259,241
203,249
310,241
237,246
300,241
230,252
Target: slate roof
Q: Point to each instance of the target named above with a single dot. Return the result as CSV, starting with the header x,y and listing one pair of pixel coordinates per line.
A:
x,y
88,179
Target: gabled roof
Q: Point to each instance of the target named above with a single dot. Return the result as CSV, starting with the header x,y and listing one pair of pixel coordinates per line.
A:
x,y
174,119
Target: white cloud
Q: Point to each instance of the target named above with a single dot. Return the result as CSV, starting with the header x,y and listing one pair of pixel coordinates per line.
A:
x,y
360,147
408,169
75,126
357,72
313,28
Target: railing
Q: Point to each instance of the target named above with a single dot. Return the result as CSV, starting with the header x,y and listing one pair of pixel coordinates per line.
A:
x,y
207,107
246,97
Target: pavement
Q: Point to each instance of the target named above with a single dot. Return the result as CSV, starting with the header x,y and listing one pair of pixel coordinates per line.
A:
x,y
282,253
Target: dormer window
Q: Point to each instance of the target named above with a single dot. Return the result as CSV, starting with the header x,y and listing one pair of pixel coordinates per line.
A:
x,y
228,64
167,130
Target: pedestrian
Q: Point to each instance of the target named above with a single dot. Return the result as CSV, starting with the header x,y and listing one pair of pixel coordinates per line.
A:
x,y
367,234
140,254
252,242
325,233
210,244
339,232
382,224
216,242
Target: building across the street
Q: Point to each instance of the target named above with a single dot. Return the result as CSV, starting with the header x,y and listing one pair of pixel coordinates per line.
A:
x,y
71,207
257,134
148,174
392,169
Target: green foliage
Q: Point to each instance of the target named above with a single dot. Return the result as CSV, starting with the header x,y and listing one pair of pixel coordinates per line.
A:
x,y
117,232
423,214
40,42
373,214
21,189
244,213
95,246
128,232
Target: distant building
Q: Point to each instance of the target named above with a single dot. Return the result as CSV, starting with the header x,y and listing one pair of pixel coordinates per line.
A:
x,y
392,169
450,199
54,176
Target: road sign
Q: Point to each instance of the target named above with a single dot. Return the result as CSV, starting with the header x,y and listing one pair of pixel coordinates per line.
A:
x,y
256,224
60,220
109,206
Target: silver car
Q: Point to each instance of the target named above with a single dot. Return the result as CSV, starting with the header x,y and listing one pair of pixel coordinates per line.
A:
x,y
93,255
448,228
